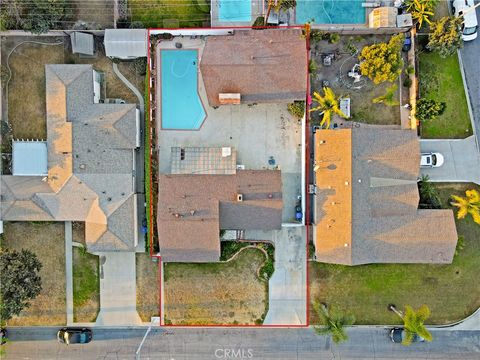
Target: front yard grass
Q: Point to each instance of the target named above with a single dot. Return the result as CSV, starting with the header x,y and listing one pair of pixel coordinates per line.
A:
x,y
170,13
148,283
451,291
441,80
216,293
47,241
86,286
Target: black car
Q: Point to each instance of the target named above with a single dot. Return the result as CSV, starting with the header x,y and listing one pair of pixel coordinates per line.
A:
x,y
397,335
70,335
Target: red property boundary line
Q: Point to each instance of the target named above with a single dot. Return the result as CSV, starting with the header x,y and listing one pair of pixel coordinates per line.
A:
x,y
307,173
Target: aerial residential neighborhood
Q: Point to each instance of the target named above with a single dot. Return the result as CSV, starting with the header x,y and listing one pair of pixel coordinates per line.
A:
x,y
238,179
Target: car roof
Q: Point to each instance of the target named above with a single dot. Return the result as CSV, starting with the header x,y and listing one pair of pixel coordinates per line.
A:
x,y
470,18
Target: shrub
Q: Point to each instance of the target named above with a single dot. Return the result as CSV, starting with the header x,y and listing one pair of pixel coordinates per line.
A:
x,y
333,38
429,109
297,109
230,248
407,82
312,66
410,70
445,36
259,23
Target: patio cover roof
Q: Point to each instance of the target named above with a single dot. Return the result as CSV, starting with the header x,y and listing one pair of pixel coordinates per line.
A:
x,y
126,43
29,158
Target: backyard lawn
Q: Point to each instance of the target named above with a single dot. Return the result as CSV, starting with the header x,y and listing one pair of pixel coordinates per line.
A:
x,y
147,286
170,13
86,286
216,293
451,291
441,80
47,241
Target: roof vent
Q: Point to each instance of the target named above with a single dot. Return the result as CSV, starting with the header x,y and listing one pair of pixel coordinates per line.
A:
x,y
192,212
82,166
239,197
346,183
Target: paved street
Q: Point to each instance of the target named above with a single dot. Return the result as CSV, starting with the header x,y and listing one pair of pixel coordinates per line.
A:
x,y
470,56
191,344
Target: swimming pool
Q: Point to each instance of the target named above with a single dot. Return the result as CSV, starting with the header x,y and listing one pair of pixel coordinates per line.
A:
x,y
181,105
235,10
330,11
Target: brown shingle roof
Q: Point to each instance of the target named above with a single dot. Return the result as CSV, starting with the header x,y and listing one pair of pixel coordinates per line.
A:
x,y
193,208
261,65
367,199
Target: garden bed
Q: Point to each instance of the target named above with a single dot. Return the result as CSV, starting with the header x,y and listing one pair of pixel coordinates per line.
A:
x,y
451,291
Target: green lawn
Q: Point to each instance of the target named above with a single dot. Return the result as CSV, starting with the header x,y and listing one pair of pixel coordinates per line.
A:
x,y
86,286
441,80
451,291
170,13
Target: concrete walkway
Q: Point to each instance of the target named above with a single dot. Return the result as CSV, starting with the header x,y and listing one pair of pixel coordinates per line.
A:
x,y
69,271
287,287
118,295
462,160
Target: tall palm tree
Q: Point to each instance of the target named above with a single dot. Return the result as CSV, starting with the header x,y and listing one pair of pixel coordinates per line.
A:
x,y
333,323
327,104
421,10
468,205
413,322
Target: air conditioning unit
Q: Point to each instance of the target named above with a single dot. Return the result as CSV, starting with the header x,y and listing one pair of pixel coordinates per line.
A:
x,y
240,167
239,197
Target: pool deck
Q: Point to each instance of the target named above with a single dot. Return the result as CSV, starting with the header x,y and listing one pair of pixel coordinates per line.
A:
x,y
256,132
257,10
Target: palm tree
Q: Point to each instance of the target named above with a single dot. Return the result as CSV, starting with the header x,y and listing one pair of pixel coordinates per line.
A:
x,y
428,193
421,10
413,322
333,323
327,104
468,205
389,97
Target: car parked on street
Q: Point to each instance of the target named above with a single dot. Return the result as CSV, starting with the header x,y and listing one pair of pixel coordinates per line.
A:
x,y
470,23
397,335
70,335
428,160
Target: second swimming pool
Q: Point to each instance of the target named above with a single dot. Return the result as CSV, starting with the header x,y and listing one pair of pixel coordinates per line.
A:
x,y
330,11
235,10
182,108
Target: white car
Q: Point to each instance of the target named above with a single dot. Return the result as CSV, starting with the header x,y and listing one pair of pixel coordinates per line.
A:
x,y
470,23
431,160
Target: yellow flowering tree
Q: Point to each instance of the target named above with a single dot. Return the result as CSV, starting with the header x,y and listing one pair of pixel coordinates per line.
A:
x,y
468,205
382,62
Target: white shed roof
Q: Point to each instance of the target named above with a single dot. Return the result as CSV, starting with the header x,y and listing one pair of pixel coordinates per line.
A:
x,y
126,43
82,43
29,158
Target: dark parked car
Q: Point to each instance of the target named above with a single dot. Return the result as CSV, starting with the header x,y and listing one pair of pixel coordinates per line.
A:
x,y
74,335
398,334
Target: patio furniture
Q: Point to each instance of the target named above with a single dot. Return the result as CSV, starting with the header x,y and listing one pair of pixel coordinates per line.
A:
x,y
355,73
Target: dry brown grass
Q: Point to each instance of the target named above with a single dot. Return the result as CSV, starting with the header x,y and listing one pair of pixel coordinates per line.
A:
x,y
26,89
147,287
216,293
47,241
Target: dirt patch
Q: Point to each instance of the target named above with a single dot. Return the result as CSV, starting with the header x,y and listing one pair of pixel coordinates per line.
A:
x,y
216,293
97,14
147,287
47,241
26,89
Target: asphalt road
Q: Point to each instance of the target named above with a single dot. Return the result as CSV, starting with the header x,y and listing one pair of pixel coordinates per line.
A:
x,y
471,64
183,344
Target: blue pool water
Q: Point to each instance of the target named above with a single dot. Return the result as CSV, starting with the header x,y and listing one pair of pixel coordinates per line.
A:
x,y
181,104
235,10
330,11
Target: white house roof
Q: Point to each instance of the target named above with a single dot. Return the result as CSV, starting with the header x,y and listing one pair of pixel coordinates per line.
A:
x,y
126,43
29,158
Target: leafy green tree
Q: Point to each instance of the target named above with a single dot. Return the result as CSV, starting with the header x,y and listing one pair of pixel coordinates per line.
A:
x,y
470,204
421,10
20,279
413,322
429,109
327,104
333,323
445,36
389,97
297,109
382,62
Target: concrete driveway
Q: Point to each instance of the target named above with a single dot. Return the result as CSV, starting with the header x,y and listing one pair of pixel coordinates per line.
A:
x,y
287,287
462,160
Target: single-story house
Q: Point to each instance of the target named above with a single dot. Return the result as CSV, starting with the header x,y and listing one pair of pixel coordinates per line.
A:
x,y
366,202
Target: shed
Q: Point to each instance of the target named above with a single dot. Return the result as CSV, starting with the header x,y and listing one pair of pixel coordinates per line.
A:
x,y
125,43
82,43
29,158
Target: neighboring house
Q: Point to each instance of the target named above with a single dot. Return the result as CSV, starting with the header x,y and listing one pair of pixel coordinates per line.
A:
x,y
84,172
253,66
366,202
193,207
127,44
